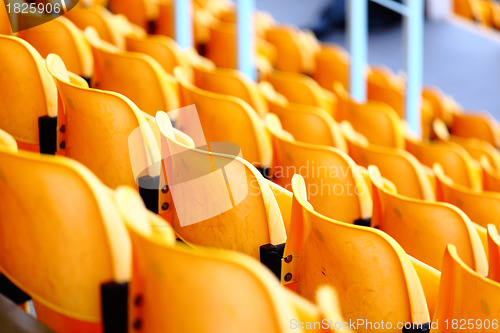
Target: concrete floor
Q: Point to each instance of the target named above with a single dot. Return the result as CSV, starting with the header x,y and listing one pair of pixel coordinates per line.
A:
x,y
461,58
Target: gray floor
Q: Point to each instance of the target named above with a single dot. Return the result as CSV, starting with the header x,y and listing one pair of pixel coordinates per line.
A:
x,y
460,58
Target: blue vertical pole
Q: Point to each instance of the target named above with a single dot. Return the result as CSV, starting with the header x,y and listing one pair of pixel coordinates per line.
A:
x,y
414,31
357,29
245,38
183,23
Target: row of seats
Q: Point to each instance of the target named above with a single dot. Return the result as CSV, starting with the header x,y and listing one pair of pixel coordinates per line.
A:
x,y
317,173
486,12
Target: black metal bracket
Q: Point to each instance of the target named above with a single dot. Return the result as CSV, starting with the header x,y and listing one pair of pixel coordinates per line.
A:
x,y
88,80
47,134
151,27
149,191
114,302
418,328
363,222
12,292
265,172
271,255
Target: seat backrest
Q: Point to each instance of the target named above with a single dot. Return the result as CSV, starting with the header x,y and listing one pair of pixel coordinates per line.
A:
x,y
161,48
456,162
227,118
230,82
63,248
376,121
133,74
308,124
139,12
5,28
332,65
490,176
395,164
292,58
336,187
476,148
98,125
28,91
425,228
464,293
476,125
373,276
301,89
219,200
62,37
167,274
221,46
481,207
385,89
166,19
100,19
493,253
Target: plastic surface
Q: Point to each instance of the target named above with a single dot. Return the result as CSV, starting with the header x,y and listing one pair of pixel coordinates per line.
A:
x,y
26,88
463,295
395,164
61,254
98,125
425,228
335,186
228,119
62,37
250,219
374,278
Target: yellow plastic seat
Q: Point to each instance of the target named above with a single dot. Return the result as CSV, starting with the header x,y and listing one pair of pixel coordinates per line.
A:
x,y
463,295
139,12
308,124
475,147
382,87
480,206
332,65
161,48
294,49
400,167
230,82
221,48
135,75
476,125
335,184
425,228
7,142
490,175
5,28
301,89
98,125
166,273
28,91
205,213
62,37
166,19
67,240
464,8
456,162
229,119
376,121
100,19
494,253
374,278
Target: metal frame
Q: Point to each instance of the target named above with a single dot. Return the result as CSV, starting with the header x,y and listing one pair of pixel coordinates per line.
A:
x,y
245,38
357,29
183,24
